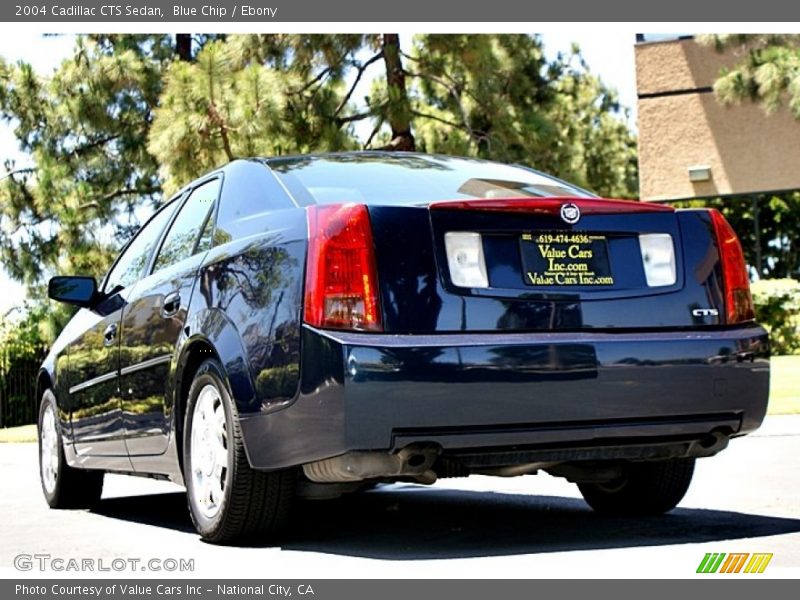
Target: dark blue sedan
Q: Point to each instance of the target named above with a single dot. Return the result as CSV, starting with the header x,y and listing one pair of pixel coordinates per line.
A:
x,y
310,326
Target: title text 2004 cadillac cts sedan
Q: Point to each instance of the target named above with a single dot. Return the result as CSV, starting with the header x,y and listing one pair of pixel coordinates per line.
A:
x,y
307,326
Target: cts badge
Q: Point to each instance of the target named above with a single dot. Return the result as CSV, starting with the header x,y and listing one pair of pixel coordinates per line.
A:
x,y
705,312
570,213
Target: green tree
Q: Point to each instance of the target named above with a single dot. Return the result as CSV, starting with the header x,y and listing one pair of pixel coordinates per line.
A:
x,y
496,96
769,72
85,127
493,96
244,97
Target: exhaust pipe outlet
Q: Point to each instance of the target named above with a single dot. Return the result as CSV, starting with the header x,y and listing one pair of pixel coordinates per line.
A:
x,y
711,444
413,461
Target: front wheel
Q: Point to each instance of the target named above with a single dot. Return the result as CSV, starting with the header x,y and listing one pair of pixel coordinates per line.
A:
x,y
646,488
63,486
228,500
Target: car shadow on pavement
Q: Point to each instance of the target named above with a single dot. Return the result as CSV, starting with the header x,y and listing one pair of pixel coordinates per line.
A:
x,y
409,522
162,510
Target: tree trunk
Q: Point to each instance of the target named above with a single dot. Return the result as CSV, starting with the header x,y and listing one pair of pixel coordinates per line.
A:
x,y
183,46
398,111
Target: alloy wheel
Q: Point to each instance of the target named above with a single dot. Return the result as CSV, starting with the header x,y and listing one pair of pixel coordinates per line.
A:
x,y
49,450
209,451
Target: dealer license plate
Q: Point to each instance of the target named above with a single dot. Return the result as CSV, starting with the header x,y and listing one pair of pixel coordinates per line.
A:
x,y
562,259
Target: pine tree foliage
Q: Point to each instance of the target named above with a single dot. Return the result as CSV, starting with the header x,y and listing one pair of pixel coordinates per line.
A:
x,y
492,96
84,128
497,97
768,73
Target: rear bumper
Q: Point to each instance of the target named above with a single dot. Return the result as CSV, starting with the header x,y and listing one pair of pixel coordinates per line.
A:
x,y
579,396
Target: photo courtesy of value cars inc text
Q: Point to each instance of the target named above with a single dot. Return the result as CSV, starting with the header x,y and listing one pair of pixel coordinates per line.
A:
x,y
182,590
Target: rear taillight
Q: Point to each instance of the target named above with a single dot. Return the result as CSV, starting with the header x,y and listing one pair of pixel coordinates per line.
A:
x,y
738,302
341,274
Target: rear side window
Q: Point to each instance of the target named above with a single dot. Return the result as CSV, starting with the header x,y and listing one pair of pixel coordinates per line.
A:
x,y
190,232
131,265
250,193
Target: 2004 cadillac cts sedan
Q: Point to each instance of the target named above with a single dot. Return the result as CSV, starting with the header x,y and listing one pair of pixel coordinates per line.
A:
x,y
309,326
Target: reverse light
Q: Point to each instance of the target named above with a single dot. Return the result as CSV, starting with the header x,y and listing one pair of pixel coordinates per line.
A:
x,y
341,272
738,301
658,259
465,259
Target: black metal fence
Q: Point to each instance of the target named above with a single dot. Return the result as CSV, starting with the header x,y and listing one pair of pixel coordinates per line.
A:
x,y
19,366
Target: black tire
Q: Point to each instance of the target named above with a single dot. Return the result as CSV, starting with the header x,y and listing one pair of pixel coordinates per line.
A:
x,y
70,488
646,488
253,505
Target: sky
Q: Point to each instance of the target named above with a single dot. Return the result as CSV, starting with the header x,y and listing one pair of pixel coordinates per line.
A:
x,y
610,57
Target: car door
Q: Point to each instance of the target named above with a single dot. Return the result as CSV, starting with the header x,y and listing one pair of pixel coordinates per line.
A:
x,y
154,318
96,411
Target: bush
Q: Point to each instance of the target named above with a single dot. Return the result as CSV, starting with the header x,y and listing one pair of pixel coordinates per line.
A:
x,y
777,303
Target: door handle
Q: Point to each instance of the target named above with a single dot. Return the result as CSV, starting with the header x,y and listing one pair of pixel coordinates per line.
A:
x,y
110,334
172,303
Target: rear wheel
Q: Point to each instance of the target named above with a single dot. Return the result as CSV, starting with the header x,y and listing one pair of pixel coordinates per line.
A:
x,y
646,488
228,500
63,486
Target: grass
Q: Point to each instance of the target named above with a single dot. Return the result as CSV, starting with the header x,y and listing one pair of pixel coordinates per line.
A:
x,y
25,433
784,397
784,393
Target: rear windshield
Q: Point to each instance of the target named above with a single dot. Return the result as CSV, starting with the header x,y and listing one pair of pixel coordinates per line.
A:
x,y
410,179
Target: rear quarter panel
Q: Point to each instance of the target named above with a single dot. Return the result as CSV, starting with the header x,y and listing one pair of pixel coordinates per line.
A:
x,y
248,304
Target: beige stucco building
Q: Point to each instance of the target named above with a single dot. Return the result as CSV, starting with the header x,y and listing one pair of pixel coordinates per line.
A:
x,y
692,146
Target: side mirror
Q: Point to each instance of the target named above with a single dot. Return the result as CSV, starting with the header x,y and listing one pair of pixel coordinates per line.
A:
x,y
80,291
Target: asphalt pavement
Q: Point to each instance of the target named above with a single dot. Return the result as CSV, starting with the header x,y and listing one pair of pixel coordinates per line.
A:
x,y
747,499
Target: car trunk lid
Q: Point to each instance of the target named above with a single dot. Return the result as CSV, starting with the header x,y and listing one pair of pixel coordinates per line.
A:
x,y
557,263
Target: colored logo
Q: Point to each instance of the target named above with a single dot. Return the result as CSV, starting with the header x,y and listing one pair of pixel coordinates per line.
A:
x,y
570,213
736,562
